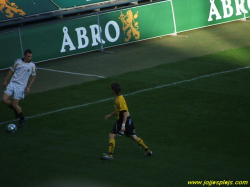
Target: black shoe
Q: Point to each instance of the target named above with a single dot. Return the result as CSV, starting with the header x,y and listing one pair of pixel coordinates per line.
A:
x,y
22,122
148,153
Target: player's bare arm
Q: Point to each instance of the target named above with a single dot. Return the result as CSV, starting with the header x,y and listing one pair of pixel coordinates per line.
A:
x,y
125,115
9,74
32,79
110,115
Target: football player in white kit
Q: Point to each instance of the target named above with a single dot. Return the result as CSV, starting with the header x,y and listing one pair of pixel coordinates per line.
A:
x,y
22,70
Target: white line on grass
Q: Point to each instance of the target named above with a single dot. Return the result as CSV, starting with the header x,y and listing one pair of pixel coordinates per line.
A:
x,y
144,90
72,73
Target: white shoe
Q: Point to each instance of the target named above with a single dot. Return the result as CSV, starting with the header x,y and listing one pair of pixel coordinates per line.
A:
x,y
106,157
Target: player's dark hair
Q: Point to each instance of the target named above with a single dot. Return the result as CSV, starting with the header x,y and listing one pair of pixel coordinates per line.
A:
x,y
27,51
116,87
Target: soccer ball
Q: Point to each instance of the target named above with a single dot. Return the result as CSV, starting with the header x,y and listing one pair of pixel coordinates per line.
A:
x,y
11,128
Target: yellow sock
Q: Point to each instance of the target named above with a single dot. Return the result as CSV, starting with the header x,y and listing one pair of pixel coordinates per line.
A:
x,y
111,147
141,143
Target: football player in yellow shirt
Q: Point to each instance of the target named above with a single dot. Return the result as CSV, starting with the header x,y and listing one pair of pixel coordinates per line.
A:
x,y
124,123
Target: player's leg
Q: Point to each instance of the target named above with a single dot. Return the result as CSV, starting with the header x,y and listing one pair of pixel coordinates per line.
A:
x,y
130,132
114,132
18,109
141,144
111,144
8,102
19,94
109,156
15,104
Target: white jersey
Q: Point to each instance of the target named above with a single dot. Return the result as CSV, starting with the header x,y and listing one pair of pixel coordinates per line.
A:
x,y
22,72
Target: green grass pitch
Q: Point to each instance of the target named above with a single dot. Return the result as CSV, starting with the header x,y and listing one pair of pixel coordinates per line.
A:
x,y
197,129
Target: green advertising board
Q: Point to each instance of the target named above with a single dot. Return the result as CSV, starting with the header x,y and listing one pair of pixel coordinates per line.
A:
x,y
193,14
10,49
75,3
118,27
60,39
135,24
83,34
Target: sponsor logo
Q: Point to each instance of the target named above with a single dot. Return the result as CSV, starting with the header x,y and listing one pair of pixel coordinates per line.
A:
x,y
10,9
94,39
228,9
130,26
93,35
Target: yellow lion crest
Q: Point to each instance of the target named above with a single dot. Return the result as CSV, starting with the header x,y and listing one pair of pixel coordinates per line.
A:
x,y
10,9
130,26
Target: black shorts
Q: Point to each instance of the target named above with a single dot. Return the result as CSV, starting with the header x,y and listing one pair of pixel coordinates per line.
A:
x,y
129,128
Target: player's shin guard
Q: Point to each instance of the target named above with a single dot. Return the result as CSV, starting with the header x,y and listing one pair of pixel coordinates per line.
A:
x,y
141,143
111,147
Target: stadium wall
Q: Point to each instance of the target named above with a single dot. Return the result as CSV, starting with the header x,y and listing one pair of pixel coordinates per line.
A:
x,y
118,27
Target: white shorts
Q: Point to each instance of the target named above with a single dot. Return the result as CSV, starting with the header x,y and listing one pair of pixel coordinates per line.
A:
x,y
16,90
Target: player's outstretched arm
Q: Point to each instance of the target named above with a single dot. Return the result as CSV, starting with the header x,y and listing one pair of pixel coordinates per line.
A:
x,y
110,115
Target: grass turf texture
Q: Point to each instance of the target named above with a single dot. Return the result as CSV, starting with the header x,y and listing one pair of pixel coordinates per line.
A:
x,y
198,130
